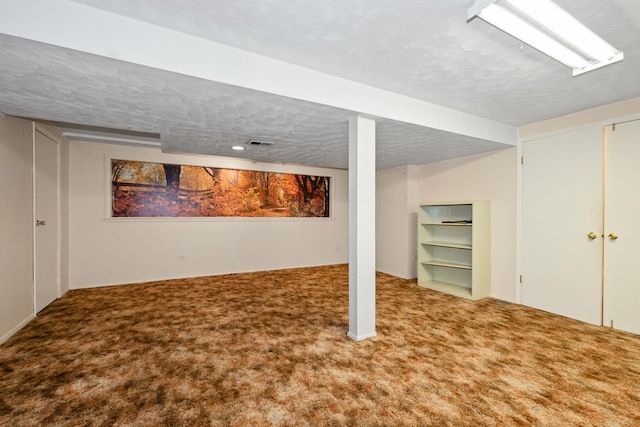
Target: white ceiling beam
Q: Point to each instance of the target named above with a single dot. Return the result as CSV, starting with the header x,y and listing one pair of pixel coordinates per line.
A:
x,y
75,26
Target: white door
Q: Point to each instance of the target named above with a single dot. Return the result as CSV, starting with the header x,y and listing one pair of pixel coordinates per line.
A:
x,y
622,219
561,205
46,217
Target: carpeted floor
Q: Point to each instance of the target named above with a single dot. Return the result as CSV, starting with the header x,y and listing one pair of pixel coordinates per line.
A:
x,y
271,349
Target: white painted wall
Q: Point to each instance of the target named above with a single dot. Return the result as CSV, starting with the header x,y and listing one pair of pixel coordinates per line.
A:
x,y
603,115
396,216
106,251
490,177
16,225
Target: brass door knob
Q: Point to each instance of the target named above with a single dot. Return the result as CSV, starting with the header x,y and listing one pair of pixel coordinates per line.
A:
x,y
592,235
613,236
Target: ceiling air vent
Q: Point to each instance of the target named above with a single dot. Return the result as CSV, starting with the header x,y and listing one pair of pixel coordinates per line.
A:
x,y
256,143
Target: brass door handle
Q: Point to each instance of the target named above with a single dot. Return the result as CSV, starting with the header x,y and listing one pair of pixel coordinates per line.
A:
x,y
613,236
592,235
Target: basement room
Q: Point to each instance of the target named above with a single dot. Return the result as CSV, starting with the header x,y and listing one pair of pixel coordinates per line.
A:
x,y
319,213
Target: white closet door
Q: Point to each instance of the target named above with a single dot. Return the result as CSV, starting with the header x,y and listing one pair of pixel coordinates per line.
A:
x,y
562,204
622,218
46,216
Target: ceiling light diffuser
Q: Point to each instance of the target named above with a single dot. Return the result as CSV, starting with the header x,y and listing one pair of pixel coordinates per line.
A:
x,y
548,28
238,148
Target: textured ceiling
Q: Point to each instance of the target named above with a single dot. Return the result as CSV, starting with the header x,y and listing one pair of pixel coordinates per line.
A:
x,y
423,49
198,116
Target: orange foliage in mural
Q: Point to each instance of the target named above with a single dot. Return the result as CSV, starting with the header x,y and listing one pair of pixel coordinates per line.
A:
x,y
146,189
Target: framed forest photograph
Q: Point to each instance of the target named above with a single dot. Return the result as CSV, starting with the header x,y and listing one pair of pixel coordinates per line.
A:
x,y
149,189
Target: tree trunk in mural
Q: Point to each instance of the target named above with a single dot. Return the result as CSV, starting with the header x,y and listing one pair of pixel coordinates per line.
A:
x,y
116,169
308,185
326,196
264,181
213,173
172,175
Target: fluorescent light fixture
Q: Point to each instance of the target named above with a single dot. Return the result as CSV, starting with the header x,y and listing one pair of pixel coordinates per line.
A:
x,y
112,139
238,148
548,28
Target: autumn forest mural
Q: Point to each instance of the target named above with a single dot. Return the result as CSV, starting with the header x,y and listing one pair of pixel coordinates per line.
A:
x,y
147,189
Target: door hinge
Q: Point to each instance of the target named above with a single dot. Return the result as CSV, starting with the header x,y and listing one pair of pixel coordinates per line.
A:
x,y
521,278
522,160
613,127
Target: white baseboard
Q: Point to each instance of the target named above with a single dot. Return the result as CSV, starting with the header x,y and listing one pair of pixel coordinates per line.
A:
x,y
189,276
396,274
360,337
15,329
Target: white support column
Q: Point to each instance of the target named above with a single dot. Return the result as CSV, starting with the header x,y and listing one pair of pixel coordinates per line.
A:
x,y
362,228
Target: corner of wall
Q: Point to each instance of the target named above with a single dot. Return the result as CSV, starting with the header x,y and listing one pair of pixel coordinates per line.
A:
x,y
492,177
396,208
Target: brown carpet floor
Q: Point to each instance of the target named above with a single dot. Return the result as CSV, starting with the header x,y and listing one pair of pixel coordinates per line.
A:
x,y
271,349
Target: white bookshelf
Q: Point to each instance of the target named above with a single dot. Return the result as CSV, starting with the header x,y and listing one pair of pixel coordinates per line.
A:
x,y
454,248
